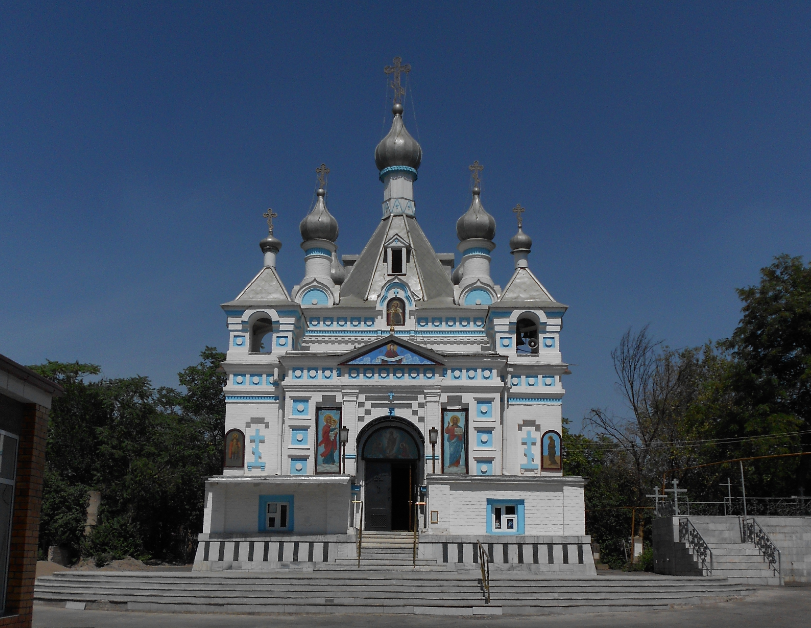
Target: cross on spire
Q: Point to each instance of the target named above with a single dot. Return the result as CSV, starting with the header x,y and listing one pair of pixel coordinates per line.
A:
x,y
518,211
322,171
397,69
475,169
269,215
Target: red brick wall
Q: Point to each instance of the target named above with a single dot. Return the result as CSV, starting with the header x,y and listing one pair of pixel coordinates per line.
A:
x,y
22,567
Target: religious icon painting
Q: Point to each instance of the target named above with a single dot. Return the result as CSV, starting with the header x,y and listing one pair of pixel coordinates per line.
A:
x,y
395,312
551,459
234,450
327,447
454,442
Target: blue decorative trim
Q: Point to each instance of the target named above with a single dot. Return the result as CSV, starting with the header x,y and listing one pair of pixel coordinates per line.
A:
x,y
380,332
295,313
351,457
251,398
528,441
482,296
301,407
318,251
476,250
256,439
484,439
554,314
398,169
296,462
484,409
303,433
239,341
484,467
234,313
315,294
534,400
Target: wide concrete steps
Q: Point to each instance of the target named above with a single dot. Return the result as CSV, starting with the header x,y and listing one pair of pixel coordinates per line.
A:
x,y
346,590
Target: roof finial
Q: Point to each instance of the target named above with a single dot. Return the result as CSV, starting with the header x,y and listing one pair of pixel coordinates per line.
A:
x,y
322,171
518,211
476,168
397,69
269,215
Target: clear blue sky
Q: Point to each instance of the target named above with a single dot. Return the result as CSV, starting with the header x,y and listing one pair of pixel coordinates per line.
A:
x,y
662,150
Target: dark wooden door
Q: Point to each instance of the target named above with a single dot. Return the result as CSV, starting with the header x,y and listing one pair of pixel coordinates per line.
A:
x,y
378,496
401,500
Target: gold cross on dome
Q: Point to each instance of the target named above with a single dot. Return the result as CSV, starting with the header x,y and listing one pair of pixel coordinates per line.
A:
x,y
269,216
476,168
518,211
322,171
397,69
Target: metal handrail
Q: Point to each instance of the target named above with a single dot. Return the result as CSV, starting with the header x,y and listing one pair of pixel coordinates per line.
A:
x,y
416,532
751,532
688,534
484,564
359,528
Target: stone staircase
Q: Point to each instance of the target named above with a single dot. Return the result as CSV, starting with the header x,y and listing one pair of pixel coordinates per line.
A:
x,y
386,550
736,561
329,588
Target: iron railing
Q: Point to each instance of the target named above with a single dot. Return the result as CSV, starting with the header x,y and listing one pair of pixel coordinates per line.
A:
x,y
688,534
416,531
760,506
359,529
484,564
751,532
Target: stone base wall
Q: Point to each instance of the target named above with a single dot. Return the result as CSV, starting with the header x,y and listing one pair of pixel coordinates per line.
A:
x,y
224,552
792,536
670,557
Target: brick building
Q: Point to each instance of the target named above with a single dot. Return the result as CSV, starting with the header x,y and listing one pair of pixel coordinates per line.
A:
x,y
25,400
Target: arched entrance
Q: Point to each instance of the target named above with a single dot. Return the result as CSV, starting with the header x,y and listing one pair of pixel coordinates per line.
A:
x,y
391,451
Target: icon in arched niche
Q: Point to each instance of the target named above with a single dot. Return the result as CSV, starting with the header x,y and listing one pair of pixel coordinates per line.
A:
x,y
234,450
551,458
454,442
327,458
395,312
390,443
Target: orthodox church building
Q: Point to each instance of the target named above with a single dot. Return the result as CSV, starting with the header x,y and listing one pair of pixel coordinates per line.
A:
x,y
394,390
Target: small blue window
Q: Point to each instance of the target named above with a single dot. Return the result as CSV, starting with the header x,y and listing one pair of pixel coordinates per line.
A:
x,y
314,296
505,516
275,513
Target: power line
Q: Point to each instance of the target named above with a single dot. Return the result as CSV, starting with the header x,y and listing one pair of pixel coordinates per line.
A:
x,y
693,443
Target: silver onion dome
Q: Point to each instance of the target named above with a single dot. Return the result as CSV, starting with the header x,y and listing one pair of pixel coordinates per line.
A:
x,y
476,222
336,271
270,243
520,241
319,224
398,148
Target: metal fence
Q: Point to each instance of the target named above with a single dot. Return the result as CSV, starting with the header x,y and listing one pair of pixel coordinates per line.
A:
x,y
755,506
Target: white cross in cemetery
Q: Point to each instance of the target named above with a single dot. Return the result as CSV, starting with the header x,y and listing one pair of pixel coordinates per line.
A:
x,y
656,495
675,490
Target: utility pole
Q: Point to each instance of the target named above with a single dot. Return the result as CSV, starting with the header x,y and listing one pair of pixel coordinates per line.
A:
x,y
743,489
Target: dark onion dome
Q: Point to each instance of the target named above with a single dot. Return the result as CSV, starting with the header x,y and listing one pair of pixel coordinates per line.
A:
x,y
319,224
336,271
398,148
270,243
520,241
476,222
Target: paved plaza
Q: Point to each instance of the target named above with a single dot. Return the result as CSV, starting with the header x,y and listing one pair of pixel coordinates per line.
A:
x,y
775,607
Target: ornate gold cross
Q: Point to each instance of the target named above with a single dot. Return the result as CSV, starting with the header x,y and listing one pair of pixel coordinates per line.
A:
x,y
476,168
397,69
518,211
322,171
269,216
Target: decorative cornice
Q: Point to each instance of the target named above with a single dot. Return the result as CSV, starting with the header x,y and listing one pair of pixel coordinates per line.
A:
x,y
398,169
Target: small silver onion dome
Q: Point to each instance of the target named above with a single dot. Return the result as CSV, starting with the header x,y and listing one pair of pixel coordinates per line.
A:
x,y
476,222
270,243
319,224
398,148
520,241
336,271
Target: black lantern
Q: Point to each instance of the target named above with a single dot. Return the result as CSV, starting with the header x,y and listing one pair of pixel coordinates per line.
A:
x,y
433,437
344,438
